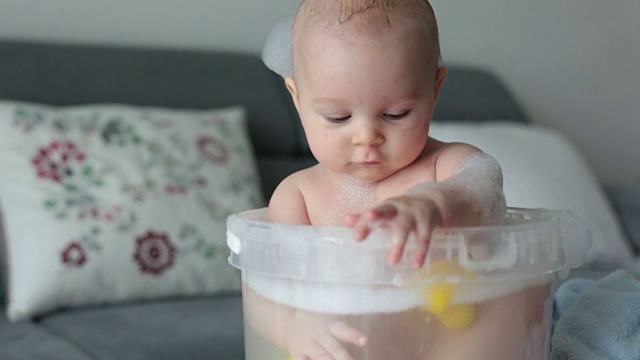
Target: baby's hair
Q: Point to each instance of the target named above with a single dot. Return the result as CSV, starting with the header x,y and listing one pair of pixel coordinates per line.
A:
x,y
350,8
329,13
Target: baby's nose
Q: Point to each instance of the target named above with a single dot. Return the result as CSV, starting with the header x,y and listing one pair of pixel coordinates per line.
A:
x,y
367,133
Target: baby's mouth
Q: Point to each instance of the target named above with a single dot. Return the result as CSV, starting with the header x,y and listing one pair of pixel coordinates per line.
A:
x,y
369,163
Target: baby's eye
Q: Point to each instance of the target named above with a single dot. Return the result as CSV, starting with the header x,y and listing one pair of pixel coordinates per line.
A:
x,y
396,116
337,119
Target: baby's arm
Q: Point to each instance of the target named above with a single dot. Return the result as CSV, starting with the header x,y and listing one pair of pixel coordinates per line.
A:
x,y
467,192
468,187
304,334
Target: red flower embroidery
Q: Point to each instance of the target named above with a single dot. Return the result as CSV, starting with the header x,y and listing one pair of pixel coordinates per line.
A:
x,y
52,162
74,255
154,252
213,150
175,190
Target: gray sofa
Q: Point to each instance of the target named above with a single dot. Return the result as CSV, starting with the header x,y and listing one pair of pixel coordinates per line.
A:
x,y
194,328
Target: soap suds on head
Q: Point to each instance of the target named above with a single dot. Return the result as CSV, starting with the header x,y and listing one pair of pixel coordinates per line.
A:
x,y
277,50
355,196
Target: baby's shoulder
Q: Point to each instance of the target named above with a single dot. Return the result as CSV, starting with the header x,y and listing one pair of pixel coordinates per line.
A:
x,y
299,179
290,186
287,203
446,157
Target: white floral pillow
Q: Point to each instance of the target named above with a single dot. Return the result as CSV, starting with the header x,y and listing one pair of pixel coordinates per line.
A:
x,y
108,203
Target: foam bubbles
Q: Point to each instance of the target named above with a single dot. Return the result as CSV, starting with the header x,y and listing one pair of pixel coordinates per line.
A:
x,y
276,53
355,196
331,298
334,298
478,177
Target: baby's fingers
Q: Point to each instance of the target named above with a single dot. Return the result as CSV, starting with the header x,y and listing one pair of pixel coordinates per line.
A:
x,y
317,351
347,333
333,348
424,231
423,239
351,219
362,227
399,237
329,345
382,212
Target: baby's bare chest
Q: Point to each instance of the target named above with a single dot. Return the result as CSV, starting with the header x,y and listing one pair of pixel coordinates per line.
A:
x,y
328,203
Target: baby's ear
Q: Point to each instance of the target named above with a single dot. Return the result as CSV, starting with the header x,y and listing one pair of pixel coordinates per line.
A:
x,y
441,74
293,90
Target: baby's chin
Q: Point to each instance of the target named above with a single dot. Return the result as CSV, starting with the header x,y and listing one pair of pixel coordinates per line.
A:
x,y
370,174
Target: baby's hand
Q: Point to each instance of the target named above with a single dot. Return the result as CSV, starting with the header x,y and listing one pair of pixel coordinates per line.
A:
x,y
314,338
403,215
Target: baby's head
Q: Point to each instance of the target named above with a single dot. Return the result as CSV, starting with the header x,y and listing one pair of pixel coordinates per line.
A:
x,y
366,60
413,21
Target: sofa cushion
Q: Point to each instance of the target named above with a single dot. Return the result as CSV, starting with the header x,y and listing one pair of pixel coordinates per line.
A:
x,y
28,341
208,328
476,95
133,199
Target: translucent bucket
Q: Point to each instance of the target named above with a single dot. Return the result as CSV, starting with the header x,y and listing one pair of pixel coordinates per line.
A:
x,y
484,292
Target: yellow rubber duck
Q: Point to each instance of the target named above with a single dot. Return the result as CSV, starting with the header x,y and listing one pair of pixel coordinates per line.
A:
x,y
438,296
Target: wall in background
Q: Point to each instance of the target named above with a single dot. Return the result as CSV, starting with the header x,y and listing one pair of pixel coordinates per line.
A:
x,y
573,64
222,24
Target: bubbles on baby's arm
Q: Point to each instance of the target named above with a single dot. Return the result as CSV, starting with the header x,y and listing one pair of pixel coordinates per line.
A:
x,y
481,176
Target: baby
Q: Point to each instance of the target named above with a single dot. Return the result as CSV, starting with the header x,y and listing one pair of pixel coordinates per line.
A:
x,y
365,80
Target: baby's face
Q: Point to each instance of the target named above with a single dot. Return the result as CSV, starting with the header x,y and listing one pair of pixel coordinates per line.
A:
x,y
365,105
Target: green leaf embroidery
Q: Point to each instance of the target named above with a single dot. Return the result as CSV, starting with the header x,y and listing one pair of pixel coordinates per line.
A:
x,y
209,252
199,164
21,113
70,187
151,164
238,149
87,170
224,131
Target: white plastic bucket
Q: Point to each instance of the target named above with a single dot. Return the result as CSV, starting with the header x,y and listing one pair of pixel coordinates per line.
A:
x,y
484,292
